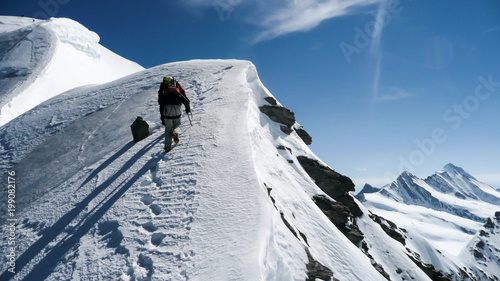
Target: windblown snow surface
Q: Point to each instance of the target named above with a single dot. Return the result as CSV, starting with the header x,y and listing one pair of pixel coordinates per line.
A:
x,y
43,58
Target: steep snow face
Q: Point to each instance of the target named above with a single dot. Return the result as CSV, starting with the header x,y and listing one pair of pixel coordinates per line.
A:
x,y
42,59
224,204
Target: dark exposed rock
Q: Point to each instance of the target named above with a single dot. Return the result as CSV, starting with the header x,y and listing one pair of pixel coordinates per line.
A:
x,y
377,266
331,182
279,114
304,237
340,215
288,225
348,200
489,223
286,130
391,229
283,115
433,273
354,234
271,100
478,254
337,186
484,233
282,147
380,269
480,244
304,136
315,270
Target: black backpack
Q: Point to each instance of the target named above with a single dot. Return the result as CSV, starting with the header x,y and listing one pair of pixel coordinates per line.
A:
x,y
140,129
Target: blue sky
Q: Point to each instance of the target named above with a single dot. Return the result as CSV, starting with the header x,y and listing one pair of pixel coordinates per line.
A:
x,y
382,86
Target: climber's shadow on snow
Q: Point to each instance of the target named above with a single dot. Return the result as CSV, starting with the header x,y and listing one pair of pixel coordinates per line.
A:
x,y
54,255
107,163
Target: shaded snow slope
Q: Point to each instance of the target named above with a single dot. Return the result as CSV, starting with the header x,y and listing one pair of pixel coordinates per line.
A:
x,y
41,59
220,206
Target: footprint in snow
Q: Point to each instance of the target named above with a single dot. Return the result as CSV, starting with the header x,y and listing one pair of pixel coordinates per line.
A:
x,y
149,226
157,237
147,263
147,199
155,209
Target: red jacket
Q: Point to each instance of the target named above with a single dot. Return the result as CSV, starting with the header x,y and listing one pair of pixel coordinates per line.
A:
x,y
163,88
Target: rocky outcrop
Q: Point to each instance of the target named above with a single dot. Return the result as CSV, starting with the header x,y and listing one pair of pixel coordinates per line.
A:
x,y
304,136
331,182
271,100
316,270
283,115
341,216
390,228
343,212
429,269
279,114
375,264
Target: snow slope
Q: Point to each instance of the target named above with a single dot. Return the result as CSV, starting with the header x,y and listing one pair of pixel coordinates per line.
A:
x,y
94,205
41,59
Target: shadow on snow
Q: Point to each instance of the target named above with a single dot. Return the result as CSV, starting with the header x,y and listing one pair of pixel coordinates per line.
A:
x,y
45,266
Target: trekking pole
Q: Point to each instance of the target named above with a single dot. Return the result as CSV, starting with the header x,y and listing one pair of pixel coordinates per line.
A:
x,y
189,117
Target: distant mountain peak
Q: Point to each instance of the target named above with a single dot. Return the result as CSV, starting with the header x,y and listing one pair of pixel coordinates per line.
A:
x,y
366,189
455,170
407,175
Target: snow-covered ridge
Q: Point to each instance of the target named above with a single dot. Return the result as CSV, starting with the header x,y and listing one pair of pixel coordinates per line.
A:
x,y
43,58
202,211
75,34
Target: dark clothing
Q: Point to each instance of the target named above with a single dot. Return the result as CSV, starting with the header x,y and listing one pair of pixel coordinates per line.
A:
x,y
169,95
170,99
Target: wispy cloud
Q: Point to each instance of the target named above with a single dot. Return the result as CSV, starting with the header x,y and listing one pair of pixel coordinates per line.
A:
x,y
393,94
275,18
303,15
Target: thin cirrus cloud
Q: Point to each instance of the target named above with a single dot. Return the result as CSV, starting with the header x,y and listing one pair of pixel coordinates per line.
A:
x,y
393,94
303,15
277,18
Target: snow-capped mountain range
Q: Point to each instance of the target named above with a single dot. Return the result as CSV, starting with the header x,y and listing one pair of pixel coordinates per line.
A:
x,y
241,197
448,209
